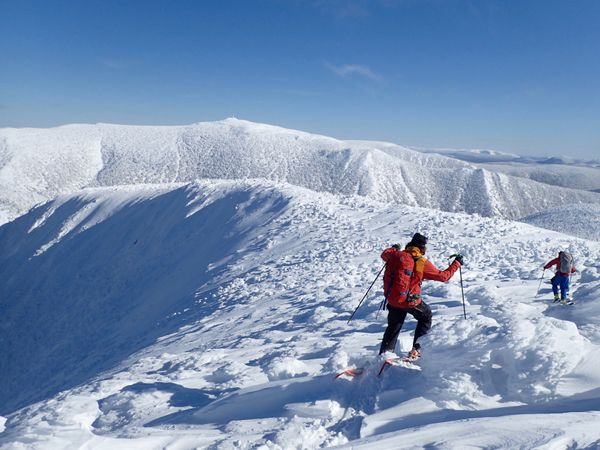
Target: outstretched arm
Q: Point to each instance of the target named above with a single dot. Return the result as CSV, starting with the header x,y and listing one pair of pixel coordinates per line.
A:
x,y
430,272
554,262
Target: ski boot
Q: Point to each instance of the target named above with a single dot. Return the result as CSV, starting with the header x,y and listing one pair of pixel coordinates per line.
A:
x,y
415,353
566,301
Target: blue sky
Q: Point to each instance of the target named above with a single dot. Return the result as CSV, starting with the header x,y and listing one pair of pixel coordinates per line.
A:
x,y
521,76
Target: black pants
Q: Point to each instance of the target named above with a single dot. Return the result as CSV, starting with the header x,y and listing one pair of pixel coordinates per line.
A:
x,y
396,316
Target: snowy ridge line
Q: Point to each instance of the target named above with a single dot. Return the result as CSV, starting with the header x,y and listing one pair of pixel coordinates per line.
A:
x,y
213,315
36,165
73,226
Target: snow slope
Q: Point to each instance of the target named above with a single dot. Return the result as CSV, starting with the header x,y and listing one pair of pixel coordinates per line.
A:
x,y
569,176
579,220
38,164
213,315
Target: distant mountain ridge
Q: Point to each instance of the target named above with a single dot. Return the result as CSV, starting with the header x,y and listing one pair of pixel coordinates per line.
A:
x,y
36,165
494,156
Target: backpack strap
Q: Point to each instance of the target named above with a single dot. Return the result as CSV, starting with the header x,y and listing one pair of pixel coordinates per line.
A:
x,y
418,268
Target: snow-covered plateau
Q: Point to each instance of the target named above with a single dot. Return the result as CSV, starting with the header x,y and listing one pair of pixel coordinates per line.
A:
x,y
195,295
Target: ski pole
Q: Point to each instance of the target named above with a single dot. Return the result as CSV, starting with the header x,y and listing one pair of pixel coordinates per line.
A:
x,y
381,307
570,281
540,285
383,303
462,289
365,296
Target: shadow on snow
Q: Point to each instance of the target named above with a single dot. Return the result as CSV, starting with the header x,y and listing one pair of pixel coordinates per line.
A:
x,y
107,289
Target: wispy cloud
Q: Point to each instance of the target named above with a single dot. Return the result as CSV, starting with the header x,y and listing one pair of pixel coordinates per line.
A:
x,y
349,70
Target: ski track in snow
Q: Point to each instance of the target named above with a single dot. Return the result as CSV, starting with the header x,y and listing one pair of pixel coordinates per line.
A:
x,y
224,322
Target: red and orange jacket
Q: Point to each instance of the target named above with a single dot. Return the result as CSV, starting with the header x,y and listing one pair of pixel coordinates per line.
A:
x,y
403,289
556,262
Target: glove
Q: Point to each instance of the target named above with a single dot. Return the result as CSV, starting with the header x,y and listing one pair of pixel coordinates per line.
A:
x,y
459,258
397,246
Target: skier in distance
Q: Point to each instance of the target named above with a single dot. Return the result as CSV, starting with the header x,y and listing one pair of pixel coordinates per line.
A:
x,y
565,266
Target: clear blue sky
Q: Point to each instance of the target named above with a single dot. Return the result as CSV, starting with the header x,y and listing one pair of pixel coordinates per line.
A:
x,y
521,76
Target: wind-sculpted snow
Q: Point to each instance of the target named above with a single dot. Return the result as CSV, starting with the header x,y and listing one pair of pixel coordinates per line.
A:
x,y
214,315
36,165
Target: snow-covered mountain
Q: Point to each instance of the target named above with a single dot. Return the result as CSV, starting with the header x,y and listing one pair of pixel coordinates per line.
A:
x,y
214,315
189,287
38,164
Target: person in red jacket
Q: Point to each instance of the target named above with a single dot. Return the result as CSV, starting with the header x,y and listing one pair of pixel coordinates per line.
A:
x,y
404,272
565,266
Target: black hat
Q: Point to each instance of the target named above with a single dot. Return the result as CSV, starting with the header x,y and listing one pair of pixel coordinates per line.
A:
x,y
418,240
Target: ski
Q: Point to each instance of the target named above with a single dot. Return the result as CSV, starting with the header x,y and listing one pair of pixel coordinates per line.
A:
x,y
564,302
398,361
351,372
